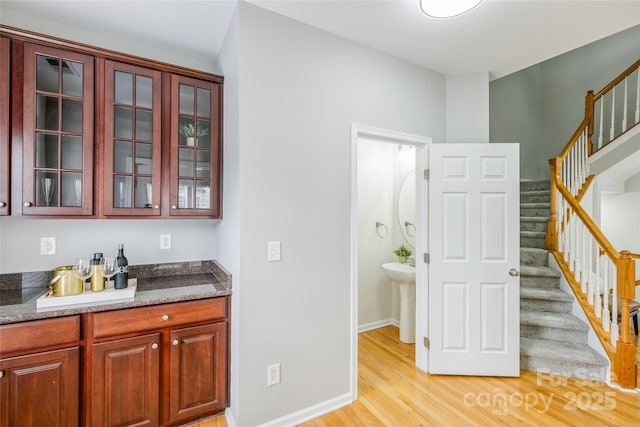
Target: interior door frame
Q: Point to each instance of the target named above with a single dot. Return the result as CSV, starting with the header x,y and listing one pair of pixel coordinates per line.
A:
x,y
421,143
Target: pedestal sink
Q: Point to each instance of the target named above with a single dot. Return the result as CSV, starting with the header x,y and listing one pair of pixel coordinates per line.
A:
x,y
405,276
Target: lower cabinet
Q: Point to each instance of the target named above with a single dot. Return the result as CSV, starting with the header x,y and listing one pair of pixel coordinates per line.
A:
x,y
125,382
40,389
169,368
197,371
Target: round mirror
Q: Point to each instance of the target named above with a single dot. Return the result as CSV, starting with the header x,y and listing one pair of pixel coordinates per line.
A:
x,y
407,208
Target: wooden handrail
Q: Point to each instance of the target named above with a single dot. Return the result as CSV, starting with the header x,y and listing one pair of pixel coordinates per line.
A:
x,y
617,80
573,139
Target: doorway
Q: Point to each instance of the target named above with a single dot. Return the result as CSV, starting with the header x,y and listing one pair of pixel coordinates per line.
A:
x,y
394,139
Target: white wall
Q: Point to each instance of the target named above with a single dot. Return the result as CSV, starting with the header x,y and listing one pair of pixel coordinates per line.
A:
x,y
468,107
300,90
20,237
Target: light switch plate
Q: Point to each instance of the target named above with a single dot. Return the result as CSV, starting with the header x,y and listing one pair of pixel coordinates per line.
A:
x,y
273,251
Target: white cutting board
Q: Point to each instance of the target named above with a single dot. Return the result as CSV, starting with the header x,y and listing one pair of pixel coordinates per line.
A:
x,y
108,296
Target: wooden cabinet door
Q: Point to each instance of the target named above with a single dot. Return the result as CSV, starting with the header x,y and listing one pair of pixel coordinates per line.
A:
x,y
4,125
125,378
195,166
58,111
197,372
40,389
132,181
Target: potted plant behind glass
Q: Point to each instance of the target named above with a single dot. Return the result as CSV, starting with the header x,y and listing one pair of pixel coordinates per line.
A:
x,y
191,133
402,254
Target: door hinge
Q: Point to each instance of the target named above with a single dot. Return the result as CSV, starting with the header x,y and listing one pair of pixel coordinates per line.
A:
x,y
427,343
426,258
427,175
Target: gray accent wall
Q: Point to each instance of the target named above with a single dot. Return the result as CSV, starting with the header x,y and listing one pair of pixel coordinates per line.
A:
x,y
541,106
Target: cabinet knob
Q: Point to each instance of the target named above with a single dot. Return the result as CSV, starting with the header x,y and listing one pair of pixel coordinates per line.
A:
x,y
175,341
165,317
1,374
156,206
2,204
27,204
154,346
174,207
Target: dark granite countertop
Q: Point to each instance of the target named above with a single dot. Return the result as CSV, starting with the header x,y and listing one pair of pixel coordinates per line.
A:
x,y
156,284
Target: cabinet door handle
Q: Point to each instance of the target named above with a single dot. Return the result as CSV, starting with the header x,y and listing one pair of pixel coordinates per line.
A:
x,y
175,341
1,374
156,206
174,207
27,204
154,346
2,204
165,317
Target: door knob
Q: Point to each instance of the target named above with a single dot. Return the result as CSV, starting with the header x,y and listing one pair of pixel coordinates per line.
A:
x,y
513,272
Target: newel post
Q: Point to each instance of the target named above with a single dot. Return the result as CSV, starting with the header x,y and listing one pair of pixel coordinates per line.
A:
x,y
552,225
588,115
625,363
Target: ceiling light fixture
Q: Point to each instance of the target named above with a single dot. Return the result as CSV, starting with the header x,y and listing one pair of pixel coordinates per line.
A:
x,y
447,8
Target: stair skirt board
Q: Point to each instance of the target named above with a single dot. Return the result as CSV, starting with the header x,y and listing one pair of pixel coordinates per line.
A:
x,y
553,340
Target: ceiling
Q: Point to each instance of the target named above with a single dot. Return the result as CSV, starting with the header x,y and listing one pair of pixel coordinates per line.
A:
x,y
500,36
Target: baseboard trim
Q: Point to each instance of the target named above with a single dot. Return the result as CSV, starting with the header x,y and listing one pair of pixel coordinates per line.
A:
x,y
311,412
228,415
379,324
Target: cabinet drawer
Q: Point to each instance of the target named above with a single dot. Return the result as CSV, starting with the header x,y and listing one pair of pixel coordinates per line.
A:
x,y
39,334
130,320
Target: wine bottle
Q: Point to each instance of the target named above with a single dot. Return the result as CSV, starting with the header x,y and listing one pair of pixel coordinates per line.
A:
x,y
121,279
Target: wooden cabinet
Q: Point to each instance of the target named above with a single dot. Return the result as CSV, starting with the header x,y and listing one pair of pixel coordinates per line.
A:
x,y
158,365
149,133
195,151
5,72
125,381
132,144
197,371
39,373
57,134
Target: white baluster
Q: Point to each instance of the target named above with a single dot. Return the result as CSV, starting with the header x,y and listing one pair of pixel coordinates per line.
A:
x,y
590,287
613,113
638,96
606,323
614,304
600,130
577,273
624,107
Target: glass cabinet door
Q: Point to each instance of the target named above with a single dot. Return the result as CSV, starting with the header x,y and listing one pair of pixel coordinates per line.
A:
x,y
4,126
195,147
132,166
58,132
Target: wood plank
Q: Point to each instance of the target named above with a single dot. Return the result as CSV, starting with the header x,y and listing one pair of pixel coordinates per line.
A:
x,y
393,392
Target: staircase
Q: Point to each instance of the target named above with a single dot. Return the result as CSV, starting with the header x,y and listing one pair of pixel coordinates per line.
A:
x,y
552,340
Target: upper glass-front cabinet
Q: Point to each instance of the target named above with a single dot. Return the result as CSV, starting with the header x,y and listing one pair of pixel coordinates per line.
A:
x,y
57,176
132,166
195,147
4,126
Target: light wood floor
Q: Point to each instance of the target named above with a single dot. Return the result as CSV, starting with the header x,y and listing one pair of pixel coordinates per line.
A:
x,y
393,392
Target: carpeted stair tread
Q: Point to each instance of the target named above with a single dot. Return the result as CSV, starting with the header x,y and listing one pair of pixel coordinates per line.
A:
x,y
535,205
534,219
539,234
545,294
552,320
570,352
538,271
535,192
534,256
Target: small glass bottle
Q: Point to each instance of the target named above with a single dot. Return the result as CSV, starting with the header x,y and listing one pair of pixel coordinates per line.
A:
x,y
121,279
96,278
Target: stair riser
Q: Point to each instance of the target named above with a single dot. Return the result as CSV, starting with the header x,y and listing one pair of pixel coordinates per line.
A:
x,y
534,198
545,305
534,185
534,258
562,369
533,226
540,282
538,212
553,334
533,242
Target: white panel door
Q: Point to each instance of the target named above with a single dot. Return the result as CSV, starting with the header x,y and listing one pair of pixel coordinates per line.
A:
x,y
474,242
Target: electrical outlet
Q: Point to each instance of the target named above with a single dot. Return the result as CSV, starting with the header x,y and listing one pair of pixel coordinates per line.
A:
x,y
273,251
165,241
47,246
273,374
